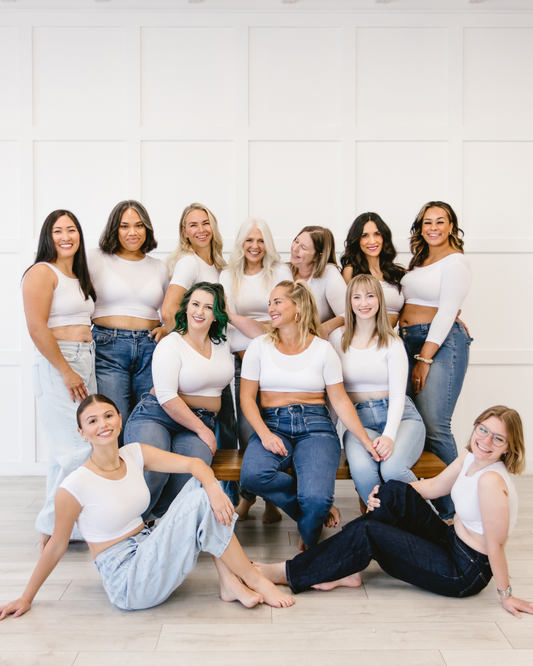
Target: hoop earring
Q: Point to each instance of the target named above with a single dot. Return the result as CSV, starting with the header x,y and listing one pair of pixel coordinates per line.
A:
x,y
297,317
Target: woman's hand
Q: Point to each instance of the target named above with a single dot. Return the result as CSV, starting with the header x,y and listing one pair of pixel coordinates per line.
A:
x,y
208,437
373,501
514,606
384,446
370,448
158,333
274,444
18,607
75,385
419,376
221,505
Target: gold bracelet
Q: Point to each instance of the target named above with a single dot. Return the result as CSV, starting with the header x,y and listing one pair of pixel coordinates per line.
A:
x,y
428,361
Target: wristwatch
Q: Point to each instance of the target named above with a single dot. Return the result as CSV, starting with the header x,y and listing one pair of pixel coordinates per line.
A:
x,y
506,593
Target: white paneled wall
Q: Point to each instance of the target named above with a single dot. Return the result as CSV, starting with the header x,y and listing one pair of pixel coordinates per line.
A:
x,y
297,117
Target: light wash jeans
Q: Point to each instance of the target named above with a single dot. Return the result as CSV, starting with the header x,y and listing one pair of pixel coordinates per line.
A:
x,y
150,424
142,571
436,403
314,452
408,445
123,366
66,449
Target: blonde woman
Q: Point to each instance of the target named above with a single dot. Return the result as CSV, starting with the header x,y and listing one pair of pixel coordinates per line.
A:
x,y
313,260
292,368
375,367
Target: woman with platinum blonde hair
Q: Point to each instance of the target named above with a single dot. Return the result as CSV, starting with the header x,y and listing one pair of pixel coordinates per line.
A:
x,y
292,367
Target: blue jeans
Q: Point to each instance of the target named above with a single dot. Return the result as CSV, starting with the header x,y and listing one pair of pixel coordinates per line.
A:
x,y
143,570
436,403
123,366
150,424
313,452
66,448
408,446
408,541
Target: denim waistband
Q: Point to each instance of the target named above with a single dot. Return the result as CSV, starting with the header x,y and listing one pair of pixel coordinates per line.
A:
x,y
69,345
382,402
199,411
123,332
423,329
296,409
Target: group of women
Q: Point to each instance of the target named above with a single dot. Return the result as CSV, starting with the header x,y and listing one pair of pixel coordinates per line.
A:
x,y
267,325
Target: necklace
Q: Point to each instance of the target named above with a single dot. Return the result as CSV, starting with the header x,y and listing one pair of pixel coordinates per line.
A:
x,y
106,470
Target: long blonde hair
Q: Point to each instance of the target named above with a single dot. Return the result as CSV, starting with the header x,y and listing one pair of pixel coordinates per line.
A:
x,y
383,330
184,245
308,320
324,243
237,260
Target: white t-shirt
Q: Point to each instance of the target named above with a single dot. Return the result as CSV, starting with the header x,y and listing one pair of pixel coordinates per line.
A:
x,y
127,288
191,269
178,368
309,372
372,370
110,509
394,299
252,300
443,285
329,292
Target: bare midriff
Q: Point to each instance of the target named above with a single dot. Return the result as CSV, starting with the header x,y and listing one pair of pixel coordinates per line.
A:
x,y
393,318
417,314
126,323
77,333
97,548
210,403
472,539
270,399
365,396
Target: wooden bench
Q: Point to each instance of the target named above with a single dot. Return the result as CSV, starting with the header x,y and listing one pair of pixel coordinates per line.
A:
x,y
227,467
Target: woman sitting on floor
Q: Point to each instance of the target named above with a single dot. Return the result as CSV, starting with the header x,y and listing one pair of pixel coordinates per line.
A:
x,y
141,568
410,542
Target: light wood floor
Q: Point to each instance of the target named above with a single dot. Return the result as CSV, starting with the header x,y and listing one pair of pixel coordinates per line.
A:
x,y
383,623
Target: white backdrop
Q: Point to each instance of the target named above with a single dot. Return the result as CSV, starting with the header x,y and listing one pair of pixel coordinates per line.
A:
x,y
299,117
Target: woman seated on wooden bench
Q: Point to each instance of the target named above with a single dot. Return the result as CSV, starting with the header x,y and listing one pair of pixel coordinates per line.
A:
x,y
410,542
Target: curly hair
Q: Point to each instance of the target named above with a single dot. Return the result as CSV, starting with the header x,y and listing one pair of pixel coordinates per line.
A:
x,y
354,256
217,329
419,247
308,320
324,245
109,242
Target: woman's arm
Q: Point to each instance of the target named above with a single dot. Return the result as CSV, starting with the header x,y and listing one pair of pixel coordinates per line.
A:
x,y
179,411
156,460
67,509
38,292
493,496
441,484
252,414
347,273
248,327
327,327
171,304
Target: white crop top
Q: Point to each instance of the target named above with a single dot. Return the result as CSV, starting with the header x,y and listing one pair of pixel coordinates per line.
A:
x,y
110,509
464,495
69,307
178,368
252,300
394,298
372,370
443,285
191,269
329,292
128,288
309,372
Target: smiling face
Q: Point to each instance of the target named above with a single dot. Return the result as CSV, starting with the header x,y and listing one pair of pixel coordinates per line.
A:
x,y
254,247
131,231
281,309
371,241
200,311
436,227
100,424
303,253
365,303
197,229
65,237
483,446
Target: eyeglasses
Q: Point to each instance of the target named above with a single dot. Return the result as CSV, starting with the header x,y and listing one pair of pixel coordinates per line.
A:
x,y
497,440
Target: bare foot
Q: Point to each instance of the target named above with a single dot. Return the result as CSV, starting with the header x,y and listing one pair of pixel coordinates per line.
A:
x,y
271,514
243,508
301,546
350,581
275,573
271,594
333,519
43,540
231,588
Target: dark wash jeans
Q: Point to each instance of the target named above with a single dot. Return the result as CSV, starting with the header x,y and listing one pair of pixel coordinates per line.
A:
x,y
408,541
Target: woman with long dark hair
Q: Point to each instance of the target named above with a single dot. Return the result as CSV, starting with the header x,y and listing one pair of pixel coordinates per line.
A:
x,y
58,303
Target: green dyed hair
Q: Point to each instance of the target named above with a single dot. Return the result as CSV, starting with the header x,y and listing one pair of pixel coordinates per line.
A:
x,y
218,327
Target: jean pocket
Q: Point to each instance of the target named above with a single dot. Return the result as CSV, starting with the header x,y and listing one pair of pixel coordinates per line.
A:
x,y
102,339
271,423
70,356
319,424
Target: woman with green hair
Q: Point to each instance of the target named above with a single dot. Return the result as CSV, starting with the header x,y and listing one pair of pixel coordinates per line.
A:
x,y
190,368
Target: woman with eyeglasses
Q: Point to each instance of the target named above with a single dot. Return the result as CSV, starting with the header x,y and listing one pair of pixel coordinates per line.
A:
x,y
402,533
